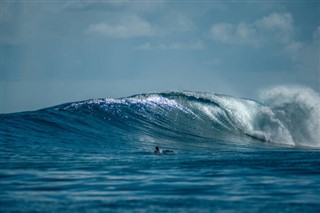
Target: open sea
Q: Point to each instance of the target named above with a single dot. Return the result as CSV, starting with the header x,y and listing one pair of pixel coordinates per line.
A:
x,y
229,154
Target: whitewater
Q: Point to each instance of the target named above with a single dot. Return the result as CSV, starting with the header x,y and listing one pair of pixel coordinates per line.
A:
x,y
230,154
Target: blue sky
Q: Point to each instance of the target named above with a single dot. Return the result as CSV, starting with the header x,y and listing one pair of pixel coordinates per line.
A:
x,y
54,52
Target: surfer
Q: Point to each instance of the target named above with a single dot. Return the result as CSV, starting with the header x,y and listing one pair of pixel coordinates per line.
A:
x,y
160,151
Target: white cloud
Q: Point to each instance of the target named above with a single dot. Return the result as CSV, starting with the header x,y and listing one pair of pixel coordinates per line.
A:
x,y
20,25
292,49
130,26
274,29
245,31
277,27
132,6
223,32
228,33
198,45
276,21
280,24
308,58
178,22
316,34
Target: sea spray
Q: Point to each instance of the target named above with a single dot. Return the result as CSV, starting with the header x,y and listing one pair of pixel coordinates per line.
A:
x,y
298,109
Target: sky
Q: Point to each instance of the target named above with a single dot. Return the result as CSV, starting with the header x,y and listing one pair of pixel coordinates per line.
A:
x,y
53,52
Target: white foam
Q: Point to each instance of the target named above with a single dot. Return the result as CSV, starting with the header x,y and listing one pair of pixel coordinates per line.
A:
x,y
298,110
256,120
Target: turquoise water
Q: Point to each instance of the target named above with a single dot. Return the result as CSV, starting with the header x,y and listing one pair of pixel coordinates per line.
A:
x,y
230,155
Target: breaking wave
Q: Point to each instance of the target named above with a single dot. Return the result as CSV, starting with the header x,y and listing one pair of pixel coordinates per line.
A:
x,y
288,116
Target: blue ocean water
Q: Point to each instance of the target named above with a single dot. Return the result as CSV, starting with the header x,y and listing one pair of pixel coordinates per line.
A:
x,y
230,154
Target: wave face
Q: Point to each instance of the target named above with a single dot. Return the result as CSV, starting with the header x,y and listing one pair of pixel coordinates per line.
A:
x,y
287,116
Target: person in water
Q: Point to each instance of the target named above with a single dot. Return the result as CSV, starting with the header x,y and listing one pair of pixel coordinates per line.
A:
x,y
160,151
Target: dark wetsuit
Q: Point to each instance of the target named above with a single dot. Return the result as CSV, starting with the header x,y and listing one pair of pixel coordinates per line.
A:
x,y
159,151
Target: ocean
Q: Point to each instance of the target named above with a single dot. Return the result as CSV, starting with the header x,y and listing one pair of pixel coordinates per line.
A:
x,y
229,154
